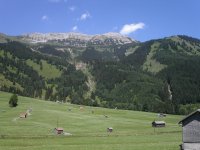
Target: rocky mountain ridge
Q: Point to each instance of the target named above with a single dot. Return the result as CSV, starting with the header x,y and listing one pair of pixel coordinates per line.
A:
x,y
78,39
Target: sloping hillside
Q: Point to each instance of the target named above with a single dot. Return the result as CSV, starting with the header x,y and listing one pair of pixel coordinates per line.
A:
x,y
88,126
152,73
33,74
158,75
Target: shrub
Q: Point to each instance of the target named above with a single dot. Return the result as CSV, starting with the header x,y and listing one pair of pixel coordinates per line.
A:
x,y
13,100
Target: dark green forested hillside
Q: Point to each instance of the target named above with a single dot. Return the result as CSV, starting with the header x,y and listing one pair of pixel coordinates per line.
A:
x,y
122,86
158,75
33,74
178,59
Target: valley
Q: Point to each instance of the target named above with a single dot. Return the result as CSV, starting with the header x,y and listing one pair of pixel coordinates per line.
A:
x,y
99,75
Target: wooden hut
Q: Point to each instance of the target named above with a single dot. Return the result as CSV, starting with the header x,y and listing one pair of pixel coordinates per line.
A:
x,y
191,131
110,129
23,115
59,130
161,115
158,124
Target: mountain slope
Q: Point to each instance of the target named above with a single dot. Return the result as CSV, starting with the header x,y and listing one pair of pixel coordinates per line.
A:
x,y
158,75
37,75
174,60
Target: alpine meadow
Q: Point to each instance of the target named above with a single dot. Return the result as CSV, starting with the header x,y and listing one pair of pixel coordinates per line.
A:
x,y
99,75
131,129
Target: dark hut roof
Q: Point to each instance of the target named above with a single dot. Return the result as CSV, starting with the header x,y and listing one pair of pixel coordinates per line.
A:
x,y
188,116
59,129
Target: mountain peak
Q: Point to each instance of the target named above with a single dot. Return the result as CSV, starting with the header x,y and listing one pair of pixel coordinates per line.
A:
x,y
112,34
110,38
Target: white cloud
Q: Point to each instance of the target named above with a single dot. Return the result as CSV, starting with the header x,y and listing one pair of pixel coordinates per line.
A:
x,y
85,16
130,28
45,17
75,28
72,8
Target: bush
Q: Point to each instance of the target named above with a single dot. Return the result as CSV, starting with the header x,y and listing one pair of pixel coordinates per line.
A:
x,y
13,100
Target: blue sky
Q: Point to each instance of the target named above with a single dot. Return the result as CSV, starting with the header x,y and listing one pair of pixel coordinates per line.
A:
x,y
140,19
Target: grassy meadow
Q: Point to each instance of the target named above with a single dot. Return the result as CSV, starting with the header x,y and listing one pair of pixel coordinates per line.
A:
x,y
48,71
131,129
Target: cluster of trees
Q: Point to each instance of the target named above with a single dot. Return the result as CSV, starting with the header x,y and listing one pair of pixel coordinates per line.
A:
x,y
139,56
71,84
121,86
50,49
188,108
13,102
17,71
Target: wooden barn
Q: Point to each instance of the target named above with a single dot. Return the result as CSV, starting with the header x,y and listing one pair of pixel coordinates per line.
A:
x,y
161,115
23,115
191,131
158,124
110,129
59,130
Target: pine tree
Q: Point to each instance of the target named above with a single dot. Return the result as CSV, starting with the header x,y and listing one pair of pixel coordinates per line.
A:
x,y
13,100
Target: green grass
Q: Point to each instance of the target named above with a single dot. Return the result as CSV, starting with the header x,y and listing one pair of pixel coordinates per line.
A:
x,y
132,129
152,65
48,71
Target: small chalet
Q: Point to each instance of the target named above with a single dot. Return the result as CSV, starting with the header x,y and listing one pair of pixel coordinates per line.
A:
x,y
23,115
158,124
161,115
59,130
191,131
110,129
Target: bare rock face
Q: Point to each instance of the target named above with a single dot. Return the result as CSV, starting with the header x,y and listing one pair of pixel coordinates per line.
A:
x,y
78,39
110,37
